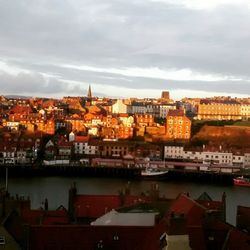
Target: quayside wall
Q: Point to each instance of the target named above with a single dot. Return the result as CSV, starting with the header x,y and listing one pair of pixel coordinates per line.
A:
x,y
115,172
68,170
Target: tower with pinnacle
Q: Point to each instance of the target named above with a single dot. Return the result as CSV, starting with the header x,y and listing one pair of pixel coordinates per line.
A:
x,y
89,96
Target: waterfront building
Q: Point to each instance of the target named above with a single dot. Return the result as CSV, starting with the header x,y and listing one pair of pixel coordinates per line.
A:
x,y
26,152
64,150
174,151
82,148
50,150
113,148
246,159
207,155
238,159
193,155
217,157
8,152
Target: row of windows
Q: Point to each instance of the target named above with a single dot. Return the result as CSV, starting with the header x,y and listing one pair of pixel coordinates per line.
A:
x,y
85,151
216,156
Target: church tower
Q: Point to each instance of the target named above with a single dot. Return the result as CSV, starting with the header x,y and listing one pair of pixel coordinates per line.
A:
x,y
89,97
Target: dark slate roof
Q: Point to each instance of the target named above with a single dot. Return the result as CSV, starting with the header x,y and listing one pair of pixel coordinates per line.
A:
x,y
204,197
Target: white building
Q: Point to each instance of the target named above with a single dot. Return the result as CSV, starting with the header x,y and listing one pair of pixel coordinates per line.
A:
x,y
12,125
238,160
127,121
164,108
193,156
93,131
82,147
246,160
223,158
119,107
137,108
173,152
71,136
153,109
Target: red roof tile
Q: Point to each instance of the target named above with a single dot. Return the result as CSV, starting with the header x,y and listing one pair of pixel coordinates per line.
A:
x,y
43,217
81,139
95,206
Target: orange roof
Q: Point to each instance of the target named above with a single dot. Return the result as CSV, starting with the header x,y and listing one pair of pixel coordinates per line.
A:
x,y
21,109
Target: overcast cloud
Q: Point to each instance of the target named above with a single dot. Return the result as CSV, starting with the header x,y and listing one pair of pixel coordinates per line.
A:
x,y
125,48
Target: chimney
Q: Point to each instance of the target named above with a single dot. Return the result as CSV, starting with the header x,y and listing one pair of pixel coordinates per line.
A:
x,y
224,196
72,194
46,205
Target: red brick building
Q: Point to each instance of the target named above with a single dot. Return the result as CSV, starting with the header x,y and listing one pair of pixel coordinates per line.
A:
x,y
144,120
178,126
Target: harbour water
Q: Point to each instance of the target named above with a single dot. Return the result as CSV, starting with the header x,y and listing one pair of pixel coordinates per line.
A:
x,y
55,189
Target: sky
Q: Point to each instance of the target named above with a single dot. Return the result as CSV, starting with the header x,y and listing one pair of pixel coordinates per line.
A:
x,y
125,48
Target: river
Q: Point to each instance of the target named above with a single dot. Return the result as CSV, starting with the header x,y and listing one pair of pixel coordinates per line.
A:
x,y
55,189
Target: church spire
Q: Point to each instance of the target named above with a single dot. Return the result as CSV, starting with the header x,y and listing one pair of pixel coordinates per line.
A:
x,y
89,95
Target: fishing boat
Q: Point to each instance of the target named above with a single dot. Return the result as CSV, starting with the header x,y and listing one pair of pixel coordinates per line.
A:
x,y
153,173
242,181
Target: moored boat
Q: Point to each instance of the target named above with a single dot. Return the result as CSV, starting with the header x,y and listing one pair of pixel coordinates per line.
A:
x,y
151,173
242,181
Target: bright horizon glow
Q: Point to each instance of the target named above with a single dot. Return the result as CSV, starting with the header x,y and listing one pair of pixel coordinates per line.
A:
x,y
205,5
154,72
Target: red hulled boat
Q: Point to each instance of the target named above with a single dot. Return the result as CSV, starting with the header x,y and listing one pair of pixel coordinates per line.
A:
x,y
242,181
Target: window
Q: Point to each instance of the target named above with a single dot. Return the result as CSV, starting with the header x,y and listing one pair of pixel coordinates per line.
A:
x,y
2,240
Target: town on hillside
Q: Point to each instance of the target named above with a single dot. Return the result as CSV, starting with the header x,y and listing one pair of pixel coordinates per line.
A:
x,y
87,129
128,134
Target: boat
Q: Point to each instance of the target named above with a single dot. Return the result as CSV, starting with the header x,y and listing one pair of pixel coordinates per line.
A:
x,y
153,173
242,181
